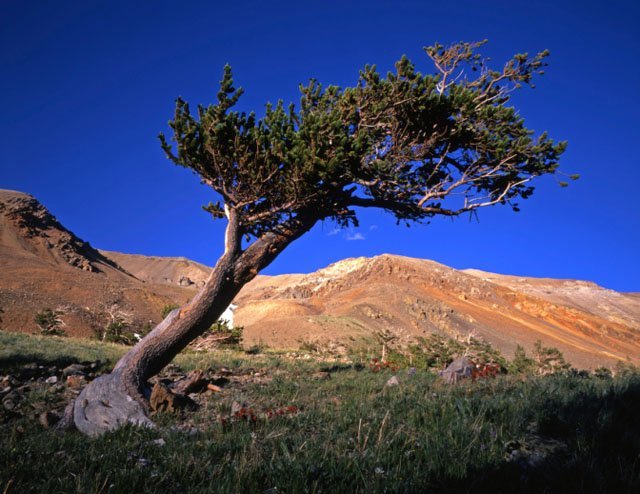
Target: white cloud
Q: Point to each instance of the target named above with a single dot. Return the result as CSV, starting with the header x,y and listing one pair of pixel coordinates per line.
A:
x,y
335,231
355,236
373,227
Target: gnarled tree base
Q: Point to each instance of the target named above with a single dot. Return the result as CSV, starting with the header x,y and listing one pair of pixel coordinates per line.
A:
x,y
104,405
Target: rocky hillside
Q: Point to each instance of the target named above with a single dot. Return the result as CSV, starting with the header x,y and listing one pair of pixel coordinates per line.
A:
x,y
403,298
354,302
176,271
44,265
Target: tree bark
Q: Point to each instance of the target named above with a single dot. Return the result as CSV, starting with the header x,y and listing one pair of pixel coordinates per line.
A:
x,y
121,397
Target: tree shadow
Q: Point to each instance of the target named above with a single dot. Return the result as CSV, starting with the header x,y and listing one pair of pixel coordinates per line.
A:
x,y
588,444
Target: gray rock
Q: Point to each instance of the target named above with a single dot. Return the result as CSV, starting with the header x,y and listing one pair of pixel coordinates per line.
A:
x,y
393,381
75,370
459,369
185,281
51,380
48,419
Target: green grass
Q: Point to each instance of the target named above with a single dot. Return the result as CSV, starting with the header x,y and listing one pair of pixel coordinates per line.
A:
x,y
351,433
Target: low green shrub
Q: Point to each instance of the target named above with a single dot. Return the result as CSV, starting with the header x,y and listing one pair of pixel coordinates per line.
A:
x,y
50,322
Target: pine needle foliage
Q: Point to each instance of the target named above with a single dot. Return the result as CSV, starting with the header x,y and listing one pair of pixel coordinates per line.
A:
x,y
417,145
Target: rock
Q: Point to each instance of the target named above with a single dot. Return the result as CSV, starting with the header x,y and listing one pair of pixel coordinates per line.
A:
x,y
51,380
459,369
9,404
159,442
48,419
321,375
76,381
75,370
163,400
185,281
393,381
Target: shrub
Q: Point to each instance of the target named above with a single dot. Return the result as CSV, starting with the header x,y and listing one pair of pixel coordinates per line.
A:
x,y
167,309
119,331
603,373
626,369
231,336
549,360
50,323
521,363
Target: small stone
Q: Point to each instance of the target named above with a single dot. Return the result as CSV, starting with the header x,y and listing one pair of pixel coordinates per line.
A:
x,y
235,407
48,419
76,381
74,370
321,375
51,380
393,381
159,442
214,388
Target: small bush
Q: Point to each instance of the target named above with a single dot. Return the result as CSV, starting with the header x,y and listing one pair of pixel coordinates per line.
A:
x,y
521,363
118,331
626,369
603,373
232,336
166,310
549,360
50,323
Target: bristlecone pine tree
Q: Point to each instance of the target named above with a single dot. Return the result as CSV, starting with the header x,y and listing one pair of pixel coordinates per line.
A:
x,y
415,145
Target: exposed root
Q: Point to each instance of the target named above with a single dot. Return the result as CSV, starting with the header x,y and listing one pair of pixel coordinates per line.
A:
x,y
104,405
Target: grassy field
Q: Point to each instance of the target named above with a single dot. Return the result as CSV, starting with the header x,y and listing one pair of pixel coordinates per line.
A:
x,y
280,426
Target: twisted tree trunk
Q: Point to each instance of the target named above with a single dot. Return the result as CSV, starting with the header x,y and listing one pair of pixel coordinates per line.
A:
x,y
121,397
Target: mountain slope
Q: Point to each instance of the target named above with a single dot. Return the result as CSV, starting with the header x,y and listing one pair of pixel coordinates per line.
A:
x,y
347,304
44,265
178,271
355,298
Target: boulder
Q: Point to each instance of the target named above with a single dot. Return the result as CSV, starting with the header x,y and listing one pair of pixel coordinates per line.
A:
x,y
459,369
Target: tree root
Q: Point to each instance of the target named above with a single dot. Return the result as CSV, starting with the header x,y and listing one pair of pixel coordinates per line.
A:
x,y
104,405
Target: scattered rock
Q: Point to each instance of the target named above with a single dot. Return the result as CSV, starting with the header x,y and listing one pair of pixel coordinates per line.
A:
x,y
236,407
185,281
163,400
76,381
321,375
459,369
534,450
393,381
48,419
11,400
51,380
159,442
75,370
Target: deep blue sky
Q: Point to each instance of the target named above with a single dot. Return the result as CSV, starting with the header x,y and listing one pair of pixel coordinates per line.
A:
x,y
85,87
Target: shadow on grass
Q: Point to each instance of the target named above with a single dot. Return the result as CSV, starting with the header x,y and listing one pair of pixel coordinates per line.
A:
x,y
32,365
590,443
